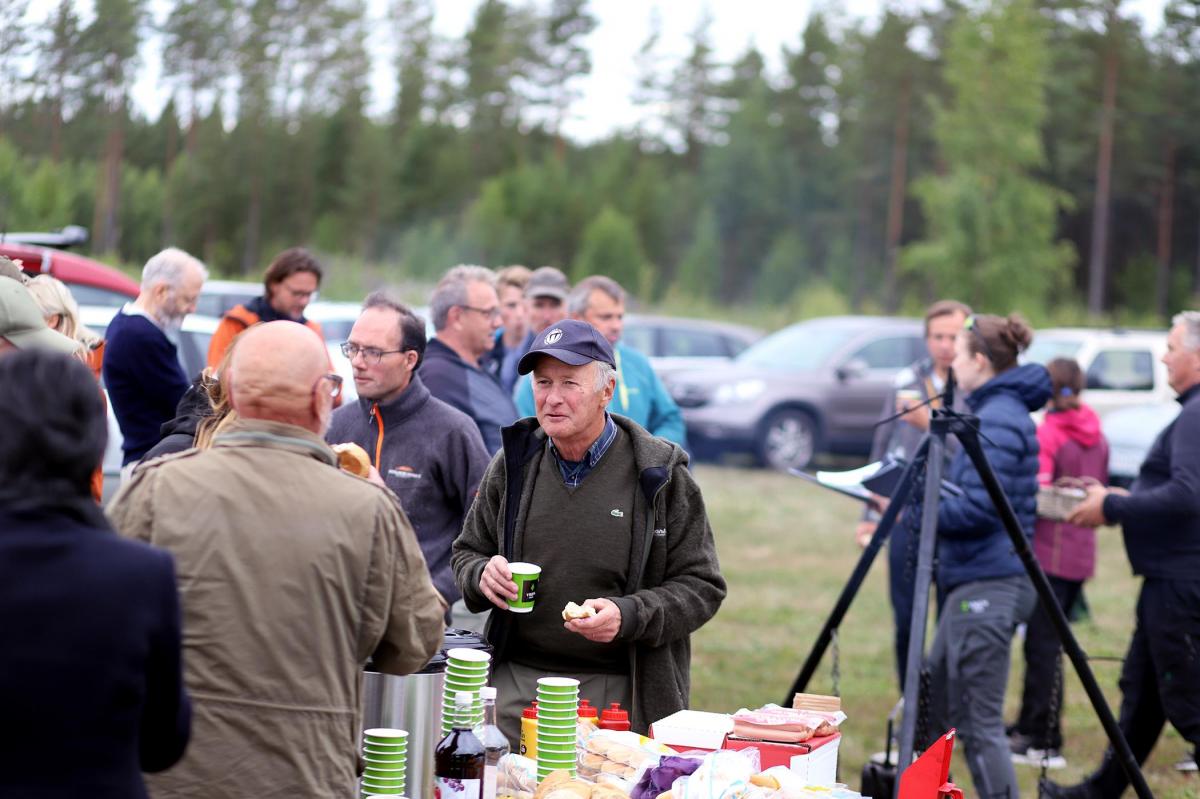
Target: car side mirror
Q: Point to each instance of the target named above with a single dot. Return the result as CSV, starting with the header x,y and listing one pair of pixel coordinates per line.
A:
x,y
851,370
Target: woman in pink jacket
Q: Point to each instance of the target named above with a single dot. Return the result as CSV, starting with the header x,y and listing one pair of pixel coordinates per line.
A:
x,y
1071,446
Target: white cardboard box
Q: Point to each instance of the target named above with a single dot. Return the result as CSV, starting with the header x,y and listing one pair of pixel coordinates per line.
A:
x,y
818,767
692,729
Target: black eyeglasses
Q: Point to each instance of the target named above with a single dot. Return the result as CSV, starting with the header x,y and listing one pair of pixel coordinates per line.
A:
x,y
969,324
490,313
372,355
336,381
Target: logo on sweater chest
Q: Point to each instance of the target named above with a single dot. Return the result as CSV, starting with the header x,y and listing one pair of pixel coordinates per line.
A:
x,y
404,473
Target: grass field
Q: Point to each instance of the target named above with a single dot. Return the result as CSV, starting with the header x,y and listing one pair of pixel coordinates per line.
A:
x,y
786,550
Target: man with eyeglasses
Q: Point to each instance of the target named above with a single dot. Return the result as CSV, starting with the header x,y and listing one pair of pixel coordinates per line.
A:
x,y
289,285
292,574
466,316
429,454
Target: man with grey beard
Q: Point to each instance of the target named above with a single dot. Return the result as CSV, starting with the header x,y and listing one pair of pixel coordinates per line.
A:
x,y
141,364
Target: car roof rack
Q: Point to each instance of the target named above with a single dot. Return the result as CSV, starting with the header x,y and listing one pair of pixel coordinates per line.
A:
x,y
65,238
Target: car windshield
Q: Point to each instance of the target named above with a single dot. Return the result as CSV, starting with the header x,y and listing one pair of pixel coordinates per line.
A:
x,y
1047,348
800,347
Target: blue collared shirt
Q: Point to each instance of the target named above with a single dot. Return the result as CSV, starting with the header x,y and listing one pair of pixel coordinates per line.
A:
x,y
573,472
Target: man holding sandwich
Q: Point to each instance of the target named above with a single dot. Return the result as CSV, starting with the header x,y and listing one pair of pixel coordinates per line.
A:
x,y
617,524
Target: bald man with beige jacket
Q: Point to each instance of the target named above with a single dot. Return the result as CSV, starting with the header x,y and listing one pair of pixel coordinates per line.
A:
x,y
292,574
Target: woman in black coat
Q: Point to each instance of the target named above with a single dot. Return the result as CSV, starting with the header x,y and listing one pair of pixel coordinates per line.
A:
x,y
91,682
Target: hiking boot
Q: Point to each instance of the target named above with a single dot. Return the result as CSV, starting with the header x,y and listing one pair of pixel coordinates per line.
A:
x,y
1019,743
1052,790
1188,763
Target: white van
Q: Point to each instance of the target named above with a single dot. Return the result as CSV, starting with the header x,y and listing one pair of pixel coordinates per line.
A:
x,y
1124,368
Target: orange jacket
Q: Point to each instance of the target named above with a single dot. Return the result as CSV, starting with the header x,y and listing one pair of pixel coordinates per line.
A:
x,y
234,321
95,360
237,319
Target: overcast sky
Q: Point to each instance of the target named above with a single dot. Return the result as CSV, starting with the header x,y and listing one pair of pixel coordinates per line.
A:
x,y
623,26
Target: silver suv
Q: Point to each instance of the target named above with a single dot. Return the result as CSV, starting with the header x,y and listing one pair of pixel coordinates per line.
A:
x,y
817,386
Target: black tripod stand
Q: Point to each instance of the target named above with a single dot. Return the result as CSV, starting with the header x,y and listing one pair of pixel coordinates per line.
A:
x,y
930,458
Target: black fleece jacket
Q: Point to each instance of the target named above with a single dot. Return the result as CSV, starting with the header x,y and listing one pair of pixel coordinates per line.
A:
x,y
1161,515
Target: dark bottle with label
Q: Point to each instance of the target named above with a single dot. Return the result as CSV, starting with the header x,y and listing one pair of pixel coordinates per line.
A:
x,y
459,759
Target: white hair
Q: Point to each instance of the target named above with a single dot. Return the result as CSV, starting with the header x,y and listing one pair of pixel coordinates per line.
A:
x,y
451,290
170,266
581,296
604,373
1191,328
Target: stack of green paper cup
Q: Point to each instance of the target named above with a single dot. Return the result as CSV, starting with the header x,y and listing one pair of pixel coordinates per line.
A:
x,y
466,670
557,716
385,752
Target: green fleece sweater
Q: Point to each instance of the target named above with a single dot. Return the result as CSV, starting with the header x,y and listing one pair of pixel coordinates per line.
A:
x,y
674,583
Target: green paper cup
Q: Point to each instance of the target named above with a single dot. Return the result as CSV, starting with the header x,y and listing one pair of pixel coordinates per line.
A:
x,y
558,685
526,576
386,735
558,738
556,734
383,782
461,654
376,756
558,715
550,764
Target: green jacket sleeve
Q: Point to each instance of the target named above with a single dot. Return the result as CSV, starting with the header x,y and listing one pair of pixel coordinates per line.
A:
x,y
480,537
682,584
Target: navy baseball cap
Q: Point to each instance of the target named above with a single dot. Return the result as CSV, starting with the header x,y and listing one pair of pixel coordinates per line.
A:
x,y
570,341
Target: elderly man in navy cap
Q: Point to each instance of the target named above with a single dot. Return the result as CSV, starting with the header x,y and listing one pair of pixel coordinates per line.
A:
x,y
617,524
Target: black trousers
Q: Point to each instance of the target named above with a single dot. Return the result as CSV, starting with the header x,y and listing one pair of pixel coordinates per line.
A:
x,y
1160,680
1041,709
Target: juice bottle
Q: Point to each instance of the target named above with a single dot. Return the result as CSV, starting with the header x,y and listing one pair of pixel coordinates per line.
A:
x,y
459,760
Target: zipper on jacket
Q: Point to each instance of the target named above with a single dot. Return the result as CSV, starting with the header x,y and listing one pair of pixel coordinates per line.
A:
x,y
378,436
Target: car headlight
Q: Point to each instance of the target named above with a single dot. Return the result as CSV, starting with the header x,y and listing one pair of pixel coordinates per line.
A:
x,y
741,391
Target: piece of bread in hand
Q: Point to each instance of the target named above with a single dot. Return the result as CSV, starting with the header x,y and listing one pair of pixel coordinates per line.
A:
x,y
573,611
353,458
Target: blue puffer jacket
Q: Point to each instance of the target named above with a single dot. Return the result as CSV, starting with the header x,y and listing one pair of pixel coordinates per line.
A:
x,y
972,541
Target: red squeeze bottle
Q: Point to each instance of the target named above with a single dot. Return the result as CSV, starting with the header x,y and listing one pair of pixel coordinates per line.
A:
x,y
614,718
588,713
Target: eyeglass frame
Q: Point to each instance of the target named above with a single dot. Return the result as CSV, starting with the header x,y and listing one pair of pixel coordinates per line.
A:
x,y
337,381
494,313
969,324
350,351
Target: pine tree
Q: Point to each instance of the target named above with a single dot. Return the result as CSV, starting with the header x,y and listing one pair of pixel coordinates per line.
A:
x,y
991,238
59,63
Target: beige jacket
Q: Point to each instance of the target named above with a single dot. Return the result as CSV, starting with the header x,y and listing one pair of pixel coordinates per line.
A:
x,y
292,574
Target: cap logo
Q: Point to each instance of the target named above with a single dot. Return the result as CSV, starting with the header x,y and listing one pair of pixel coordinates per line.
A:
x,y
552,337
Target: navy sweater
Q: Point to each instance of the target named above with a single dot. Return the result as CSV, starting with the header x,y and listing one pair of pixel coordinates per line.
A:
x,y
1161,515
470,389
143,378
972,541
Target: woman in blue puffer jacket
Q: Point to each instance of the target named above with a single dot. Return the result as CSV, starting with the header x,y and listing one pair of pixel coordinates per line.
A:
x,y
985,590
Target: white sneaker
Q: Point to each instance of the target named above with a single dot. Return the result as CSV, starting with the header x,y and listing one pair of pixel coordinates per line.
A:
x,y
1050,758
1188,763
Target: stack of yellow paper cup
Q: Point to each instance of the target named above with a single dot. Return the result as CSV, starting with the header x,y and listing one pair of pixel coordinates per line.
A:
x,y
385,752
466,670
557,715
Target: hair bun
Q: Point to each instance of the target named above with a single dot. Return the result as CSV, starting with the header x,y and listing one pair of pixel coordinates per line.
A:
x,y
1018,332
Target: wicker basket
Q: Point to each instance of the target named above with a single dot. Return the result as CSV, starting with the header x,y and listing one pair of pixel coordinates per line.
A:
x,y
1057,502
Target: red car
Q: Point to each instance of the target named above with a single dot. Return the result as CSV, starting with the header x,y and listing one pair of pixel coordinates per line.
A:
x,y
91,282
